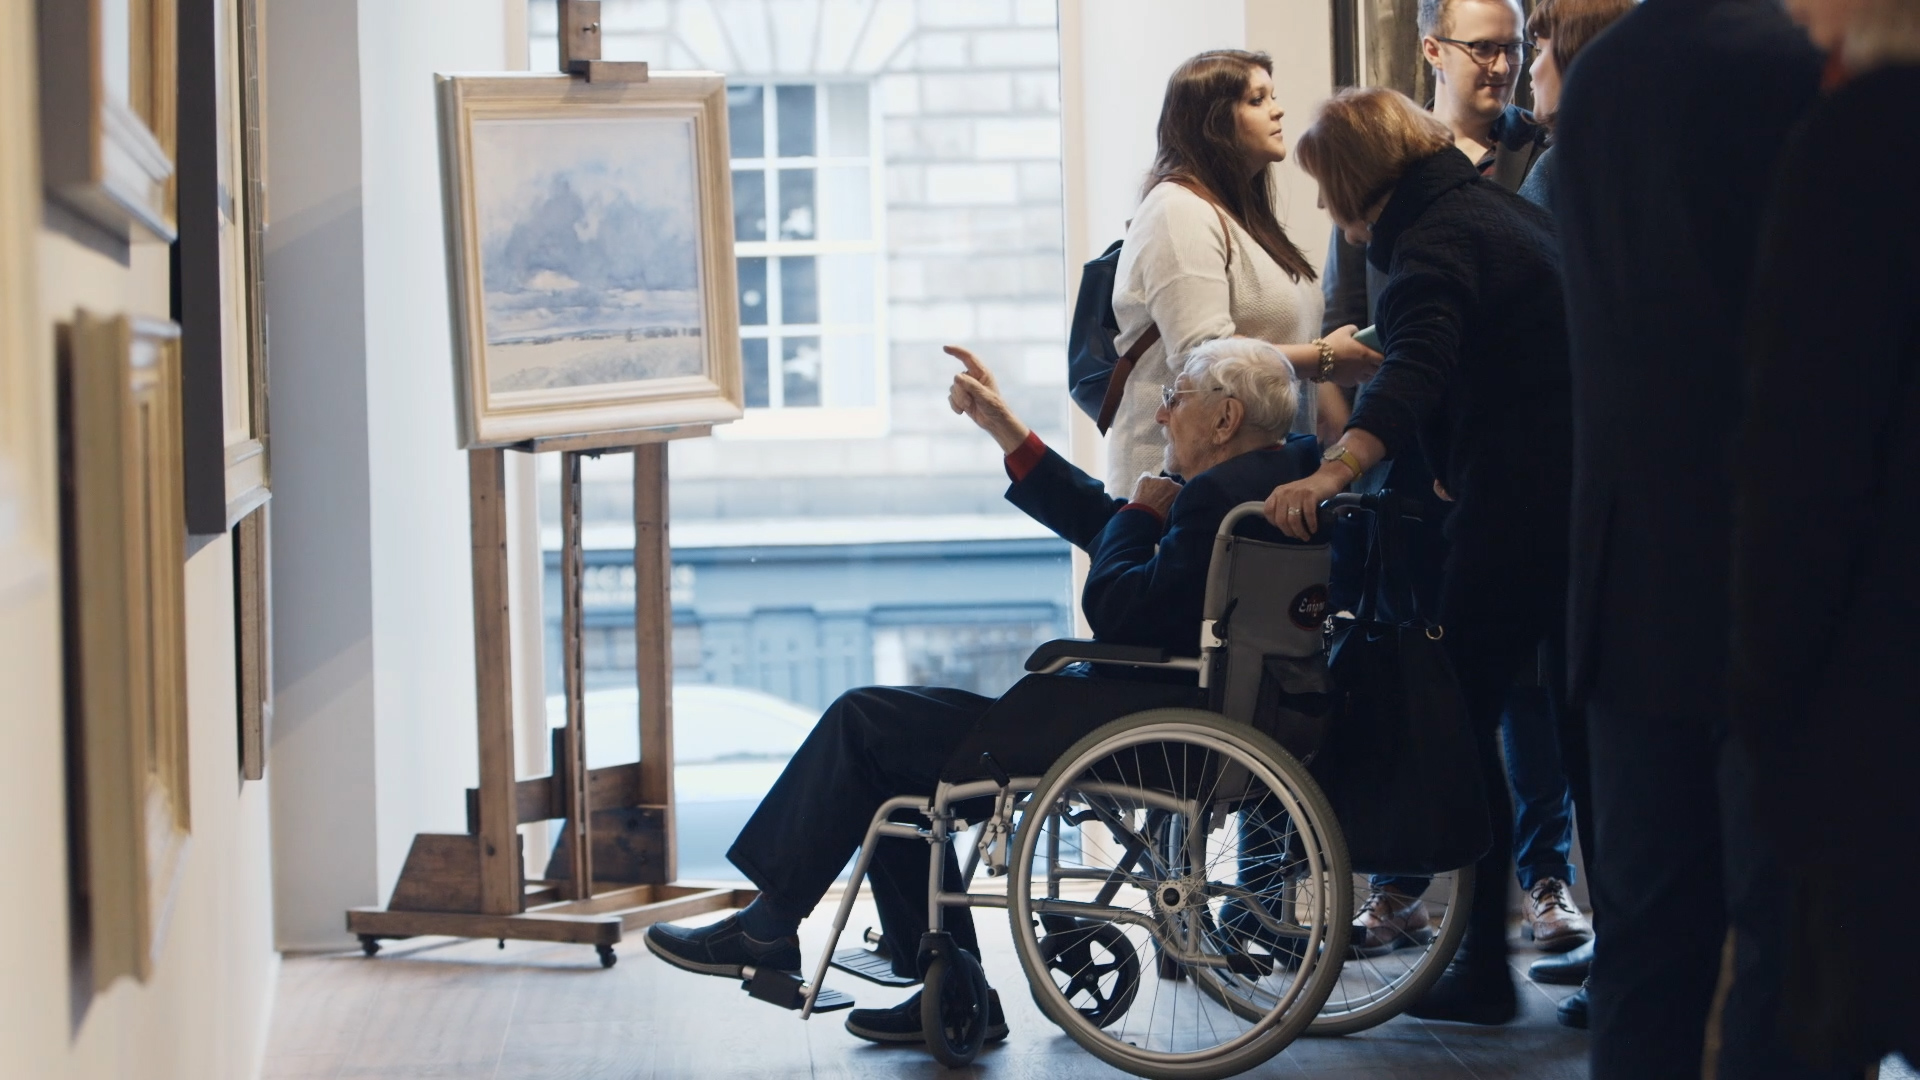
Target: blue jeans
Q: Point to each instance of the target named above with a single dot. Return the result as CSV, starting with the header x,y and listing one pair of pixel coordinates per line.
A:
x,y
1543,804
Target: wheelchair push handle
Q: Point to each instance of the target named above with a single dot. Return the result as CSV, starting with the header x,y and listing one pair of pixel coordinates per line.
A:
x,y
1343,505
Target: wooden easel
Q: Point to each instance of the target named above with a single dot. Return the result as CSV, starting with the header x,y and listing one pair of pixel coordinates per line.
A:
x,y
614,867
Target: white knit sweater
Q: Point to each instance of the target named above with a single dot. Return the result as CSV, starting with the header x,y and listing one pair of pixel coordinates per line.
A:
x,y
1174,273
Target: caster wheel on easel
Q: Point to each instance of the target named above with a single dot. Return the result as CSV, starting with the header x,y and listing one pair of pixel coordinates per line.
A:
x,y
607,958
369,944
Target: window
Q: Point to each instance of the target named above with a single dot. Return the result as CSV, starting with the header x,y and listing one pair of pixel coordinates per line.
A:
x,y
807,234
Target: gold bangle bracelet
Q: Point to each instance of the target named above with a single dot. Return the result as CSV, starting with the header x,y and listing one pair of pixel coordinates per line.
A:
x,y
1326,359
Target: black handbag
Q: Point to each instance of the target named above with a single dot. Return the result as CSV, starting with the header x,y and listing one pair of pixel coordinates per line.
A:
x,y
1399,765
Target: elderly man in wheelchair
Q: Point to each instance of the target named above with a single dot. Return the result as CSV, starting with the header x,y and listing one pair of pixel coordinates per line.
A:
x,y
1147,820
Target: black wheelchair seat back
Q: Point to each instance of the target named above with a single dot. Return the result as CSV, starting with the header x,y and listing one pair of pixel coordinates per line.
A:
x,y
1042,716
1266,606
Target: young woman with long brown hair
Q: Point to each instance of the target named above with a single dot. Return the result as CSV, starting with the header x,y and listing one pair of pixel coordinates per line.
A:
x,y
1206,257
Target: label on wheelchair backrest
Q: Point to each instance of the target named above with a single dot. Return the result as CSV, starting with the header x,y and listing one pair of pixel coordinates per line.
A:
x,y
1309,608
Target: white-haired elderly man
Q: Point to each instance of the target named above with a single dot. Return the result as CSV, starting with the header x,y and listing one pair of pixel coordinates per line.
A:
x,y
1226,418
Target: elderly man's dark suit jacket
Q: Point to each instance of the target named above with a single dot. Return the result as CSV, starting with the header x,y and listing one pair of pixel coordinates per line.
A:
x,y
1659,196
1147,580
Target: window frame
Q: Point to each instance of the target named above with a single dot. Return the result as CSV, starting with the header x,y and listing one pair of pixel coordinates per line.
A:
x,y
777,420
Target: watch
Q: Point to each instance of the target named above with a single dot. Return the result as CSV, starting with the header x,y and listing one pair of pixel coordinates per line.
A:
x,y
1339,452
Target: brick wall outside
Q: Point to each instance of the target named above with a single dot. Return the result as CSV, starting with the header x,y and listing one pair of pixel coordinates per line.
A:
x,y
968,92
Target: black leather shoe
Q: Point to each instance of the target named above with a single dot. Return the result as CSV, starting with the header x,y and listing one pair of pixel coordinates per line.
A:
x,y
1568,969
1470,993
1573,1011
720,949
901,1024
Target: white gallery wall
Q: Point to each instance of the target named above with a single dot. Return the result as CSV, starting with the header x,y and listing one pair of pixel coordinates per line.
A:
x,y
203,1013
373,647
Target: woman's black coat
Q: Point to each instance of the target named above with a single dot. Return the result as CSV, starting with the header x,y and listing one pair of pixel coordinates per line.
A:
x,y
1474,331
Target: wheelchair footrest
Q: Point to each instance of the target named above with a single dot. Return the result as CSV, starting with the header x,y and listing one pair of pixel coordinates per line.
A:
x,y
784,988
871,966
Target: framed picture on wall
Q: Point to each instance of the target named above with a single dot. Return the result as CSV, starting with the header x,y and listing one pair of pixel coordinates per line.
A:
x,y
590,254
24,555
220,300
1377,43
126,534
107,99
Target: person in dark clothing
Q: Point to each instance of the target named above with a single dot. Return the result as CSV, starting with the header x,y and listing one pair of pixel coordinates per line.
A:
x,y
1826,586
1473,97
1659,210
1226,417
1473,330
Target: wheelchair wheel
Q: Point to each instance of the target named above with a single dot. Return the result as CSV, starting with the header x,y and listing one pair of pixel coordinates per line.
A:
x,y
953,1007
1169,827
1377,983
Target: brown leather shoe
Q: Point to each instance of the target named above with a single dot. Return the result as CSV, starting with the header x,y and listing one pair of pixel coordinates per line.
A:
x,y
1387,921
1554,923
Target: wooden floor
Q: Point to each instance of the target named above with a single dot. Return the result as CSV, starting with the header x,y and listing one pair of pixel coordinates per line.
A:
x,y
434,1007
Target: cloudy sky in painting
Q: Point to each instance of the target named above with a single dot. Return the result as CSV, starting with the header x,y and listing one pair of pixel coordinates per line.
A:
x,y
586,225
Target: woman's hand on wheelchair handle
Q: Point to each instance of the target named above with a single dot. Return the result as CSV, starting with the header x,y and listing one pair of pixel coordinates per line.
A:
x,y
1294,508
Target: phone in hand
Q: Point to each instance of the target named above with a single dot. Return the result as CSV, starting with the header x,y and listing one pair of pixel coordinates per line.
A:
x,y
1370,337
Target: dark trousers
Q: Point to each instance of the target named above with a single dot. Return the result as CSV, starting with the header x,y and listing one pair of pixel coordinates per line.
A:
x,y
1538,776
1679,860
871,745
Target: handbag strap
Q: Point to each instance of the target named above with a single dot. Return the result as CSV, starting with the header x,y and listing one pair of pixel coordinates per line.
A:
x,y
1387,574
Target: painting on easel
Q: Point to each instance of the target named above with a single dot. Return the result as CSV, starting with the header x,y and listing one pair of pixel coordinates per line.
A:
x,y
590,253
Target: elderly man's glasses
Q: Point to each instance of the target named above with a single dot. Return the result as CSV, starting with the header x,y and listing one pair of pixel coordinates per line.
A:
x,y
1485,53
1168,393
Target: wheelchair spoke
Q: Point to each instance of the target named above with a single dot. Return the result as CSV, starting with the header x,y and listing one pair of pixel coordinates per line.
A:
x,y
1196,870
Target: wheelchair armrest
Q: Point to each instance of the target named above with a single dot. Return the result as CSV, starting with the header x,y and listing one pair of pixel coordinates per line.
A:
x,y
1058,653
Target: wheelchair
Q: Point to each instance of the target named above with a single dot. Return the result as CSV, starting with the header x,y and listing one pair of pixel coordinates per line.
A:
x,y
1177,886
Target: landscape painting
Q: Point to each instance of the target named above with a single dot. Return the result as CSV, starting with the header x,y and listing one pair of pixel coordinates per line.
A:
x,y
590,252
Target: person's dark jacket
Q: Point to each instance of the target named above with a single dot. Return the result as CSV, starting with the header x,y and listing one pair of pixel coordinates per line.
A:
x,y
1826,554
1147,581
1351,286
1473,329
1658,207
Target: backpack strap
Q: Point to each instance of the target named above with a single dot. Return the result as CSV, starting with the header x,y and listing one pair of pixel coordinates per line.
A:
x,y
1122,368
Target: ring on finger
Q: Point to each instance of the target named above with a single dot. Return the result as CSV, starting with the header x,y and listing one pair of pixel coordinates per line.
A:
x,y
1292,510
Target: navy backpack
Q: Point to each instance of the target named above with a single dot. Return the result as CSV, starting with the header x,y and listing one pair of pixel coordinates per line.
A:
x,y
1096,371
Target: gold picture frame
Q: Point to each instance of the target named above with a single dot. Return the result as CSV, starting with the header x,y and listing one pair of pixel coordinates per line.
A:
x,y
107,110
243,289
25,559
590,255
126,539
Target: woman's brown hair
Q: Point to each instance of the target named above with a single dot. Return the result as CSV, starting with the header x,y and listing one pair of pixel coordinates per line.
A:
x,y
1571,25
1360,144
1200,146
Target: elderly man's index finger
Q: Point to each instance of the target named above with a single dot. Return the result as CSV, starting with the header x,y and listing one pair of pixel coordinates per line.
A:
x,y
972,362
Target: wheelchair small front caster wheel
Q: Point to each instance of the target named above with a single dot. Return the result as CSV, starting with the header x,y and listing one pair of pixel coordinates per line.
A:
x,y
1095,966
953,1007
607,959
369,944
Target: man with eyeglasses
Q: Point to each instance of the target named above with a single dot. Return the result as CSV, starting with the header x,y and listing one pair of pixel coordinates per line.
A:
x,y
1477,51
1227,419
